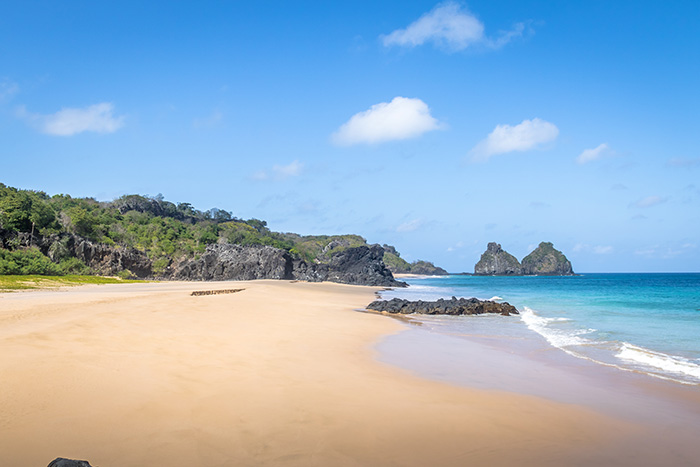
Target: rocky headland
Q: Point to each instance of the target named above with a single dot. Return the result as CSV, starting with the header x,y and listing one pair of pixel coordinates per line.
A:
x,y
398,265
545,260
454,306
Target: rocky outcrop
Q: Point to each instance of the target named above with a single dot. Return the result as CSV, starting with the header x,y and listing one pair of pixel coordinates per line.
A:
x,y
455,306
63,462
103,259
235,262
546,260
497,262
361,266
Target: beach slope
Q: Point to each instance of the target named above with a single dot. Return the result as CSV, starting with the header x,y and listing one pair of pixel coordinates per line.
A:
x,y
279,373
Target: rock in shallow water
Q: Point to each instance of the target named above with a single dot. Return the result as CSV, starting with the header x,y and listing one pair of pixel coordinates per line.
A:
x,y
63,462
454,306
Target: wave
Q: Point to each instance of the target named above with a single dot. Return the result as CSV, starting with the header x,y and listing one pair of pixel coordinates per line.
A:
x,y
495,298
662,361
638,359
557,337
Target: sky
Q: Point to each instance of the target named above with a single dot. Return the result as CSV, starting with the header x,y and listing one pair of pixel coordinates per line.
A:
x,y
436,127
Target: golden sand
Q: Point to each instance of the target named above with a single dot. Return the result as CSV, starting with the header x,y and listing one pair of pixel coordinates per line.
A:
x,y
277,374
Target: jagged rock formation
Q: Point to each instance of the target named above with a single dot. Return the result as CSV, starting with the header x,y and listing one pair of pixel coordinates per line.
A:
x,y
455,306
235,262
546,260
360,265
497,262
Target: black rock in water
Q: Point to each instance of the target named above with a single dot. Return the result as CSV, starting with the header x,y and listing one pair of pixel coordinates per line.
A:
x,y
454,306
63,462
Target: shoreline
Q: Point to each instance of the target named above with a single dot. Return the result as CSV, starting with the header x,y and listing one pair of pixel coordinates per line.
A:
x,y
278,374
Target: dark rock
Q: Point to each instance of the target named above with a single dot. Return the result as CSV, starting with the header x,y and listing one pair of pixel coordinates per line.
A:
x,y
454,306
546,260
497,262
361,266
235,262
62,462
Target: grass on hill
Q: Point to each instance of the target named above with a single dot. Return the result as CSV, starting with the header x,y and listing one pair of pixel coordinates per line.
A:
x,y
10,283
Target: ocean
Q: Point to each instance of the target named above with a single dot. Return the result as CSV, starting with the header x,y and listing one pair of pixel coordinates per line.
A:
x,y
645,323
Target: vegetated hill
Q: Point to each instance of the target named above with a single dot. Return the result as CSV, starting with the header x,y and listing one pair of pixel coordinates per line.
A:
x,y
134,234
398,265
545,260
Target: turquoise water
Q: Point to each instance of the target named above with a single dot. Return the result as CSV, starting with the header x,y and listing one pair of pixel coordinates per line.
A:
x,y
647,323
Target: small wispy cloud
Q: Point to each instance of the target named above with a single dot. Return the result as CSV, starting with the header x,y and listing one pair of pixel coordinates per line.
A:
x,y
98,118
279,172
589,155
684,162
402,118
539,205
451,27
410,226
618,187
595,249
648,202
207,122
7,89
530,134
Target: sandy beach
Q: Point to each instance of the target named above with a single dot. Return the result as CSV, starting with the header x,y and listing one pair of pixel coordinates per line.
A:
x,y
278,374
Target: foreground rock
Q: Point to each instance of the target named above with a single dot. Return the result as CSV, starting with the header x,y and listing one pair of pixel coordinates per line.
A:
x,y
63,462
454,306
360,266
546,260
497,262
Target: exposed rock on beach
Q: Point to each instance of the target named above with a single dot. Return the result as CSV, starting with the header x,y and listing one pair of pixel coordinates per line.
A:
x,y
454,306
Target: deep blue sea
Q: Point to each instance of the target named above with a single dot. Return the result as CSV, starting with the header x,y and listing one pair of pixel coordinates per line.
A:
x,y
646,323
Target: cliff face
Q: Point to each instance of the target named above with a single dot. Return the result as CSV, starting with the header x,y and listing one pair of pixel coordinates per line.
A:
x,y
497,262
398,265
546,260
360,265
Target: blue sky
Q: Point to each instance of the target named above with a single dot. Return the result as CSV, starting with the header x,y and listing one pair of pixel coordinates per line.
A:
x,y
435,127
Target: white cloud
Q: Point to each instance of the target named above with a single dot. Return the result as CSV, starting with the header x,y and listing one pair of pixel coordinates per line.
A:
x,y
280,172
410,226
648,202
589,155
450,26
97,118
505,138
402,118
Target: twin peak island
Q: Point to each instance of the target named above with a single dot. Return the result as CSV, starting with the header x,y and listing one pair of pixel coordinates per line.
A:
x,y
545,260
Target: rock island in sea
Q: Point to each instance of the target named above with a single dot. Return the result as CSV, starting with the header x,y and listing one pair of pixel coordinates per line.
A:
x,y
545,260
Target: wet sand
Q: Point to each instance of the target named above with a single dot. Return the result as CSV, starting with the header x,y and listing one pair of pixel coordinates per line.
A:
x,y
277,374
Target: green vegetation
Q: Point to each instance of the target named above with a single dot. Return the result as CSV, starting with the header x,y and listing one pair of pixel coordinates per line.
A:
x,y
26,282
396,263
165,231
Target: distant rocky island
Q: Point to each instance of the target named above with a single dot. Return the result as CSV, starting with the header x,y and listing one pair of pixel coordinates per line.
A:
x,y
545,260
